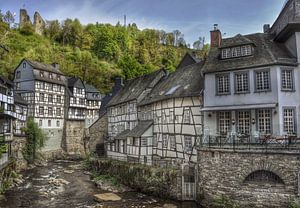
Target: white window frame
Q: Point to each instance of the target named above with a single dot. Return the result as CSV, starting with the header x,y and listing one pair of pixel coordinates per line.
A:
x,y
243,119
224,122
188,143
223,84
289,120
241,82
264,121
287,80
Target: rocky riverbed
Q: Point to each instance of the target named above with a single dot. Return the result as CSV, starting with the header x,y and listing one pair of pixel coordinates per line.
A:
x,y
64,184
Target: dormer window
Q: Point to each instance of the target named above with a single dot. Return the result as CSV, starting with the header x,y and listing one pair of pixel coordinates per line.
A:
x,y
238,51
226,53
50,75
41,74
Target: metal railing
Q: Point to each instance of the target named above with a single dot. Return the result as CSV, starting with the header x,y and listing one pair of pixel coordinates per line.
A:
x,y
250,142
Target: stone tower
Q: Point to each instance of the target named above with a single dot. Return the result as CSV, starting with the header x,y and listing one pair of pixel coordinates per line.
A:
x,y
39,23
24,18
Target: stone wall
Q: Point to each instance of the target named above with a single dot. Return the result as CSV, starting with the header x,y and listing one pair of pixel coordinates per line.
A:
x,y
17,147
252,179
96,134
39,23
73,143
149,180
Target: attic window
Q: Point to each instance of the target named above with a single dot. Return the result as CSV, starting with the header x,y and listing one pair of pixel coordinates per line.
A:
x,y
41,74
24,65
234,52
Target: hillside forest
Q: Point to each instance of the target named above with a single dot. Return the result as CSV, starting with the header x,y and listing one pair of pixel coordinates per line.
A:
x,y
97,53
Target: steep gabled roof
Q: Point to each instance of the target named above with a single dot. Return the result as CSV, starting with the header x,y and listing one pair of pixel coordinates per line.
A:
x,y
75,82
266,53
184,82
135,87
43,67
90,88
188,59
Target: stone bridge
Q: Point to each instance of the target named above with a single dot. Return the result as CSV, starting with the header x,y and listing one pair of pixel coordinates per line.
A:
x,y
251,178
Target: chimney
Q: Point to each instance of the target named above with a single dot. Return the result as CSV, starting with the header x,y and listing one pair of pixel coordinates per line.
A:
x,y
215,37
119,81
266,28
55,65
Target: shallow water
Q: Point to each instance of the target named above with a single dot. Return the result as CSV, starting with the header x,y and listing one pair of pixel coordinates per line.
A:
x,y
50,186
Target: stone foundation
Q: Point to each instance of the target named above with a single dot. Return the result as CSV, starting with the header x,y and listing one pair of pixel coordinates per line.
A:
x,y
17,147
73,143
251,179
96,134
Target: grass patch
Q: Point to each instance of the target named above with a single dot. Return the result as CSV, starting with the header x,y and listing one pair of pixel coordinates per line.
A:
x,y
106,178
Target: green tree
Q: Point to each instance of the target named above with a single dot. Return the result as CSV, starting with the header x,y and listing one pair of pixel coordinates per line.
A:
x,y
35,140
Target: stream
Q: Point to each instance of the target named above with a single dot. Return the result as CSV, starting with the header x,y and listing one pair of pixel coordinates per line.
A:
x,y
64,184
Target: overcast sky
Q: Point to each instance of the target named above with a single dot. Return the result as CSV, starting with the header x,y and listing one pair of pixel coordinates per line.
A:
x,y
194,18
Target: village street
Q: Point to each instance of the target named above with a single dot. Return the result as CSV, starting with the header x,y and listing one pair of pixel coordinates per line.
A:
x,y
64,184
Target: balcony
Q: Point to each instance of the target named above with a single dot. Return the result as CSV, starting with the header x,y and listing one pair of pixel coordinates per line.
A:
x,y
263,142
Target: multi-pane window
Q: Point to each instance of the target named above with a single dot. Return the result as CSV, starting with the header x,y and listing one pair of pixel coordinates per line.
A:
x,y
236,52
243,122
289,120
224,119
41,110
287,79
172,141
50,98
41,97
58,99
226,53
262,80
223,84
165,141
58,111
50,111
241,82
264,121
57,123
186,116
246,50
188,143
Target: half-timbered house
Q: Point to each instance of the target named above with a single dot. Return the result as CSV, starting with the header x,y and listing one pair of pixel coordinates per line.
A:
x,y
43,87
93,104
174,107
123,113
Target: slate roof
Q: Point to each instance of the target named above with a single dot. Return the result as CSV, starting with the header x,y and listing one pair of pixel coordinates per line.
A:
x,y
184,82
44,67
18,99
75,82
140,129
188,59
123,134
134,88
6,81
266,53
90,88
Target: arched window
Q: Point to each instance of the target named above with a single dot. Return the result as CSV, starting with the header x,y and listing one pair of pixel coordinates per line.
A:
x,y
264,176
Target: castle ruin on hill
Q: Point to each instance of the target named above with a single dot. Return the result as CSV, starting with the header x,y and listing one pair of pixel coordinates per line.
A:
x,y
38,22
